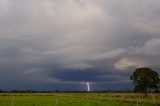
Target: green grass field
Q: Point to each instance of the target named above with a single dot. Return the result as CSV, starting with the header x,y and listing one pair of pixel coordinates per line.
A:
x,y
78,99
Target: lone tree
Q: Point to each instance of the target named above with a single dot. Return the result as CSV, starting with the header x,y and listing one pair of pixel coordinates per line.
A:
x,y
145,79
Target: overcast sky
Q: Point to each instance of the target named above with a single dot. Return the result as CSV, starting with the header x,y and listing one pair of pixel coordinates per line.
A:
x,y
62,44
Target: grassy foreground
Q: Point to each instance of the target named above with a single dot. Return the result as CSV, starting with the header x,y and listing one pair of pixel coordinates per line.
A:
x,y
78,99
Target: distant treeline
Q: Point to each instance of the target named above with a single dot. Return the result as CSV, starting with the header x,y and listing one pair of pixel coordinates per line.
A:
x,y
66,91
56,91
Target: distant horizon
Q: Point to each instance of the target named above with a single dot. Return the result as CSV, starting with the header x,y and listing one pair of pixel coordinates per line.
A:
x,y
58,90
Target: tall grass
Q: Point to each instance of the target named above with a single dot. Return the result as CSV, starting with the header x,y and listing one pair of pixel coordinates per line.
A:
x,y
78,99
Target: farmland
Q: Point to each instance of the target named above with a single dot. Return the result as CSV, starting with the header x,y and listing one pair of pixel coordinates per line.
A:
x,y
78,99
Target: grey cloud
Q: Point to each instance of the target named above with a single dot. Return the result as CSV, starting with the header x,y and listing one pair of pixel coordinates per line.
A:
x,y
151,47
51,41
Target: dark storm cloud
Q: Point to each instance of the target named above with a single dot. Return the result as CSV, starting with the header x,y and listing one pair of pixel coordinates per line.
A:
x,y
45,42
89,75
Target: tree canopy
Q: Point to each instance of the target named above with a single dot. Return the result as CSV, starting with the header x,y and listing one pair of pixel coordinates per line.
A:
x,y
145,79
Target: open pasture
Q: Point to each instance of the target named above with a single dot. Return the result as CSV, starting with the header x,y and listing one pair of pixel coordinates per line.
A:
x,y
78,99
